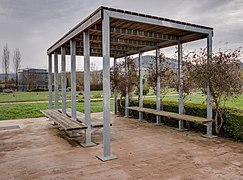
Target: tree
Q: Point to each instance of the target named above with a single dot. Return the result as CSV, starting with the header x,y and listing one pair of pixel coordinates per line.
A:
x,y
222,76
118,77
5,62
168,77
16,63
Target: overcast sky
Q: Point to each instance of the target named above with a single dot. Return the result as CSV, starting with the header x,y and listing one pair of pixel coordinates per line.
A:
x,y
34,25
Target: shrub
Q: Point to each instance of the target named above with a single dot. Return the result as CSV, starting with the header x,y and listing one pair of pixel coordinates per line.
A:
x,y
233,126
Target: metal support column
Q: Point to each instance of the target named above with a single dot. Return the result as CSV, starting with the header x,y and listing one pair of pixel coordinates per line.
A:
x,y
115,90
55,81
106,88
50,81
180,83
73,77
158,118
87,142
140,60
127,94
209,96
64,81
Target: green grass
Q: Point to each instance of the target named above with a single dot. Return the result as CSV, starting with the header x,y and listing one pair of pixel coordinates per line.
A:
x,y
40,96
32,110
197,98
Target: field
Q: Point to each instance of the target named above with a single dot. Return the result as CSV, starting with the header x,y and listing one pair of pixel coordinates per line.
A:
x,y
23,110
29,104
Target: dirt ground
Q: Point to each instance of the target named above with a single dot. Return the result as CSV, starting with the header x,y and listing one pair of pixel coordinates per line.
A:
x,y
39,151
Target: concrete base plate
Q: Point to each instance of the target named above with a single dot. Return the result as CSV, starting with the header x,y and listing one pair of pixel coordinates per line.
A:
x,y
210,137
102,158
182,129
88,145
159,124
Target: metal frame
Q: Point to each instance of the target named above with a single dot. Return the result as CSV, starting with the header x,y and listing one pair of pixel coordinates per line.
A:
x,y
180,83
140,65
64,80
106,89
209,96
103,40
115,90
55,80
127,94
73,78
158,97
88,142
50,81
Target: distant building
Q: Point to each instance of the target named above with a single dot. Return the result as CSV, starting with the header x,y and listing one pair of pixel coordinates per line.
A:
x,y
32,79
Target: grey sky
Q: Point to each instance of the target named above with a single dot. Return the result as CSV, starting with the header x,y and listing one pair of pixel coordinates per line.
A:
x,y
34,25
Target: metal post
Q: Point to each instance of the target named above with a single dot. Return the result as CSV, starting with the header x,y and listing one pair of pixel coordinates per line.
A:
x,y
115,90
140,60
106,88
209,96
56,80
73,77
87,142
64,83
180,83
50,81
158,118
127,94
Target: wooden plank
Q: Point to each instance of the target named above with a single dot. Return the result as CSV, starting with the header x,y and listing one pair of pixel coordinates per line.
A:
x,y
171,115
67,123
95,122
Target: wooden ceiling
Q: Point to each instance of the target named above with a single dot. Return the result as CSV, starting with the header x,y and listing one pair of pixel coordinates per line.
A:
x,y
129,37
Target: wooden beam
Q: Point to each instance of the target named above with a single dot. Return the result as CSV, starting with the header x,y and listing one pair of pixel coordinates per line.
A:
x,y
130,33
120,41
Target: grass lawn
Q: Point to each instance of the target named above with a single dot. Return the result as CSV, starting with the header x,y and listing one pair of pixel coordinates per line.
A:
x,y
32,110
236,103
40,96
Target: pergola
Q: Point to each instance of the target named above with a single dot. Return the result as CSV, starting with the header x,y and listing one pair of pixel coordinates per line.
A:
x,y
115,33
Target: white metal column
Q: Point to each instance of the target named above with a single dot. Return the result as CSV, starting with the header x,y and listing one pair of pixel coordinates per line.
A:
x,y
64,81
127,94
88,142
73,77
115,90
50,81
56,80
140,60
180,83
106,88
158,118
209,96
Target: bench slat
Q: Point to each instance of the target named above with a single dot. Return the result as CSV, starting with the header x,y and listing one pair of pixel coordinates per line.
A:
x,y
95,122
171,115
67,123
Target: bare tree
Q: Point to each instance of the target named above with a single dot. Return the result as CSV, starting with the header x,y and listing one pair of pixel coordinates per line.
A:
x,y
118,77
222,75
5,62
168,77
16,63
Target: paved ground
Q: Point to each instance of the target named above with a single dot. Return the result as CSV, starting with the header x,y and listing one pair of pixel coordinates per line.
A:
x,y
145,151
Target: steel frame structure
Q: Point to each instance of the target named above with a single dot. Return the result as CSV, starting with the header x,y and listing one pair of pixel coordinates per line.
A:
x,y
116,33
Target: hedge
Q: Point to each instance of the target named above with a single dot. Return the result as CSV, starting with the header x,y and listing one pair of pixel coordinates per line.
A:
x,y
233,119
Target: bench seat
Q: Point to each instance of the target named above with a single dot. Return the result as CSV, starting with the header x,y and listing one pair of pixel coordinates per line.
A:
x,y
65,122
95,122
190,118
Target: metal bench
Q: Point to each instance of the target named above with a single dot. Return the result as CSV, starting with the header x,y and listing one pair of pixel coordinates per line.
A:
x,y
67,124
185,117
